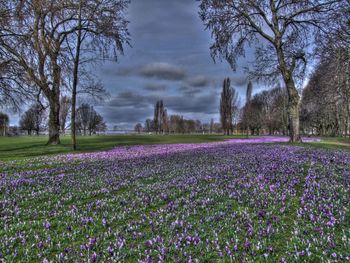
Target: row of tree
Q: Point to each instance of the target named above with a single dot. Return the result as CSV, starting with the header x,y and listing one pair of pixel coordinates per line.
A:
x,y
325,107
164,124
88,121
45,47
283,34
265,112
325,104
179,125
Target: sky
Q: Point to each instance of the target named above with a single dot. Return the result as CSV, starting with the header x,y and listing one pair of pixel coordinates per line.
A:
x,y
169,60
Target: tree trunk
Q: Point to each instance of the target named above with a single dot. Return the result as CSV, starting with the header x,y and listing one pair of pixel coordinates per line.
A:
x,y
293,95
54,120
75,82
293,113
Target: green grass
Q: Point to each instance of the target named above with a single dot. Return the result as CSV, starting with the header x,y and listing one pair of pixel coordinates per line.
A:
x,y
224,218
13,148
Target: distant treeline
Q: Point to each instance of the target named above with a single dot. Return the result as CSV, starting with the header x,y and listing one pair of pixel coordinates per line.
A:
x,y
35,119
164,124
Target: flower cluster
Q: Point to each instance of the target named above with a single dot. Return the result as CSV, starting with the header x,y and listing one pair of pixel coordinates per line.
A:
x,y
238,200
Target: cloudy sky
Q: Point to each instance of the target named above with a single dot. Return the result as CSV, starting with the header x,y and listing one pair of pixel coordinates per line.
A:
x,y
169,60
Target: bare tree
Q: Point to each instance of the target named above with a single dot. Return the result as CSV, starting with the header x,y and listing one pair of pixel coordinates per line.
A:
x,y
148,125
36,49
156,117
174,123
282,31
266,112
277,120
138,128
211,128
89,121
257,113
4,123
325,102
104,31
13,93
37,36
159,114
228,106
96,123
225,106
165,121
33,119
83,118
249,92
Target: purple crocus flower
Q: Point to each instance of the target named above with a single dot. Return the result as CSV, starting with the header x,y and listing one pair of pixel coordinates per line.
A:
x,y
94,257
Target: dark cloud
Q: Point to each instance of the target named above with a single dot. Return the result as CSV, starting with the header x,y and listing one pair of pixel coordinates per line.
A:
x,y
196,104
189,90
129,99
171,51
126,117
156,70
206,103
128,108
162,70
155,87
199,81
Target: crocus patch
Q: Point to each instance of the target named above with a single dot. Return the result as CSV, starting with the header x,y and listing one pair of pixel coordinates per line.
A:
x,y
238,200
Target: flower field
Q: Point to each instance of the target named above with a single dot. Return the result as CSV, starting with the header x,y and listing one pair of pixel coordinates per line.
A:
x,y
217,202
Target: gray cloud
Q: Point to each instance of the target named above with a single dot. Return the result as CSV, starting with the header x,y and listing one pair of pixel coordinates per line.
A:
x,y
129,99
199,81
155,87
128,108
170,61
125,116
189,90
162,70
187,77
156,70
182,103
196,104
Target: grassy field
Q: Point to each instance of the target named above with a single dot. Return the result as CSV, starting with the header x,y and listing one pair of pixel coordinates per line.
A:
x,y
12,148
215,203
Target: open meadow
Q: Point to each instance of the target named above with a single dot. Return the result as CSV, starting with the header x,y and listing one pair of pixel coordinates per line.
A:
x,y
247,200
175,131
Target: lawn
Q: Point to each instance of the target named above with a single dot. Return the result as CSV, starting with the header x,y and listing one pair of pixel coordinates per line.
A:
x,y
12,148
212,202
